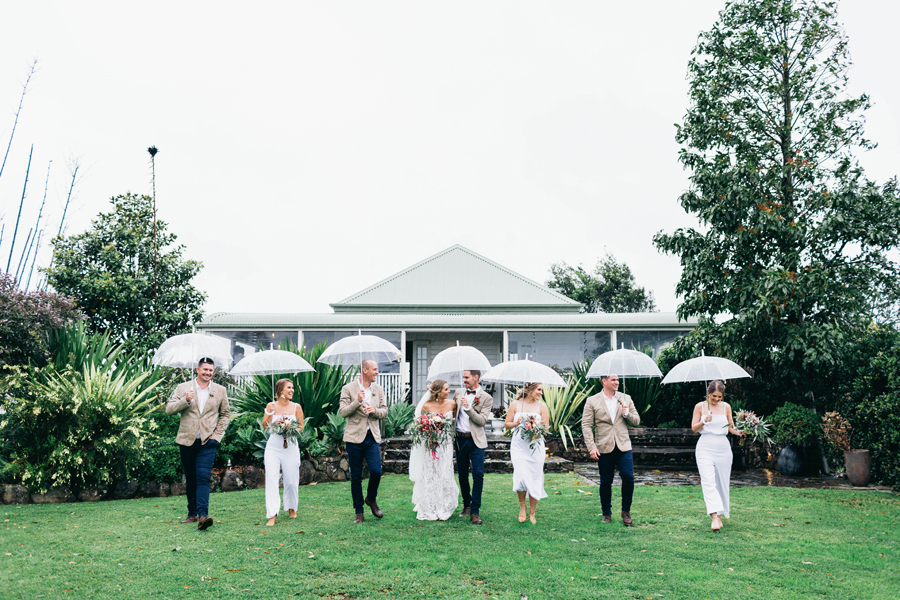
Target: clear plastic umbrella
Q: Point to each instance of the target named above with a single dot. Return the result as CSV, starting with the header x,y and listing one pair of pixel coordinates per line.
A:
x,y
185,351
705,368
519,372
271,363
354,349
624,363
449,364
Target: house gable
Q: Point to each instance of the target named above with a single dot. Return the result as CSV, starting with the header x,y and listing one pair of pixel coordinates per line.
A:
x,y
455,281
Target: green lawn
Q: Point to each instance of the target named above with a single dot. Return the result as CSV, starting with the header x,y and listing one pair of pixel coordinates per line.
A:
x,y
780,543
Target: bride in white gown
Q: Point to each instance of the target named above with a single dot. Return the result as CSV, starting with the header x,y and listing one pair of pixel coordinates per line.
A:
x,y
435,493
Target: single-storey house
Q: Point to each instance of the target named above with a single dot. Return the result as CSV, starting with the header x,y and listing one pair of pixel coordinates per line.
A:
x,y
420,310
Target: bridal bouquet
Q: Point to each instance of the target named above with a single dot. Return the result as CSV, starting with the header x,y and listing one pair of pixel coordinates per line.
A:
x,y
431,430
531,429
752,427
287,429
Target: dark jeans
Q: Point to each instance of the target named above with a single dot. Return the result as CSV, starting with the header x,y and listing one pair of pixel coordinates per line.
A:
x,y
468,453
624,462
197,460
370,451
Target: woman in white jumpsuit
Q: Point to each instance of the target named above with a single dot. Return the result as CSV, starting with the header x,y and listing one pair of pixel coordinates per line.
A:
x,y
713,420
282,455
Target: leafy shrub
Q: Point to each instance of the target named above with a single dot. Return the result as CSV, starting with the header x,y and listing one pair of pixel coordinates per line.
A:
x,y
318,392
241,450
77,429
399,417
795,424
160,459
333,433
564,403
27,316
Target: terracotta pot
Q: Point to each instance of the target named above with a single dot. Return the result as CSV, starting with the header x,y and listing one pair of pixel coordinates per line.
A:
x,y
859,466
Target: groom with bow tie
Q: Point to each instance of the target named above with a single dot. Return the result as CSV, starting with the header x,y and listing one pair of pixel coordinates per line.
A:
x,y
475,409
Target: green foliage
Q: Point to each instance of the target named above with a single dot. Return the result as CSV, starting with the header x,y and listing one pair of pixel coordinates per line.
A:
x,y
252,437
795,424
318,392
27,317
399,417
160,460
77,429
609,288
119,282
872,403
563,405
237,449
794,242
333,433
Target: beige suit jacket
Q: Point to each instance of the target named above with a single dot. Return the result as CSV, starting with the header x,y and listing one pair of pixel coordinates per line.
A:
x,y
599,431
479,412
211,424
358,421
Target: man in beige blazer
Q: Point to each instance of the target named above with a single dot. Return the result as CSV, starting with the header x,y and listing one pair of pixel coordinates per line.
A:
x,y
606,435
204,410
471,441
364,406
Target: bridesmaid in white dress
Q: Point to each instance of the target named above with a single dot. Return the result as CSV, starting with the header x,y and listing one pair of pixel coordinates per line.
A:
x,y
281,454
713,420
435,493
528,462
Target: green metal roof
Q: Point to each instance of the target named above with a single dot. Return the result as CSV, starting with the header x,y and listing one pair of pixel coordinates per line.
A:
x,y
434,286
578,321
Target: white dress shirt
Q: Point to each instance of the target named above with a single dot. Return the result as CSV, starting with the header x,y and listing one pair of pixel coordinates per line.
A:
x,y
200,398
367,400
462,420
610,406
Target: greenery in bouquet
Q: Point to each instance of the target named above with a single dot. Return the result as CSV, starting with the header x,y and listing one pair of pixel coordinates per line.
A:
x,y
288,429
531,429
431,430
753,427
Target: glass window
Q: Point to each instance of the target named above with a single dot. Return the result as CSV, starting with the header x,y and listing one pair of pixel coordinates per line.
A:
x,y
314,337
657,340
244,343
557,348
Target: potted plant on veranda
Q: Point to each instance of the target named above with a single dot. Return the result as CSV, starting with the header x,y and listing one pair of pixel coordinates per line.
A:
x,y
858,463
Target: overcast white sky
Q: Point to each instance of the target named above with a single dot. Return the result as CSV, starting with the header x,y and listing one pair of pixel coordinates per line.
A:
x,y
310,149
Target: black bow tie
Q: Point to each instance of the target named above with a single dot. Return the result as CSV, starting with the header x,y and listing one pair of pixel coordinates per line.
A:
x,y
470,392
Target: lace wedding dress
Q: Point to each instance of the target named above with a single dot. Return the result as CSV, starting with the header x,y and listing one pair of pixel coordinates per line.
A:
x,y
436,493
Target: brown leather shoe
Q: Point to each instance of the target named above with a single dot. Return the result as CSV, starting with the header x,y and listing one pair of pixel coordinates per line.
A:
x,y
375,510
626,518
204,523
190,520
607,518
359,518
476,519
466,512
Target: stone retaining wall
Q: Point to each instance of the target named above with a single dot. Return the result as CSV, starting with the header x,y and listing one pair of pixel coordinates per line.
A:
x,y
313,470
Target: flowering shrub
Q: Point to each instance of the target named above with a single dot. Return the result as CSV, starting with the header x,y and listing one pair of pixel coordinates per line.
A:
x,y
77,429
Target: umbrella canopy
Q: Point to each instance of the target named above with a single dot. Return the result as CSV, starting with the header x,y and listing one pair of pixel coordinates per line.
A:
x,y
271,362
354,349
705,368
624,363
450,363
185,351
524,371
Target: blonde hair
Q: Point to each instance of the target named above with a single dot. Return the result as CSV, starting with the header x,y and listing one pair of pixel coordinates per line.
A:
x,y
435,388
526,390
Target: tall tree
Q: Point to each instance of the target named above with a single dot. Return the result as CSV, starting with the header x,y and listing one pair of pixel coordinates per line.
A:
x,y
109,269
794,248
610,287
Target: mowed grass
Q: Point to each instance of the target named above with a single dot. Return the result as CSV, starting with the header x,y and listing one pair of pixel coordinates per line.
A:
x,y
779,543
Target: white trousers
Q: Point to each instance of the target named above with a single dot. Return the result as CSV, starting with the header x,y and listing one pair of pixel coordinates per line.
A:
x,y
284,461
714,463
